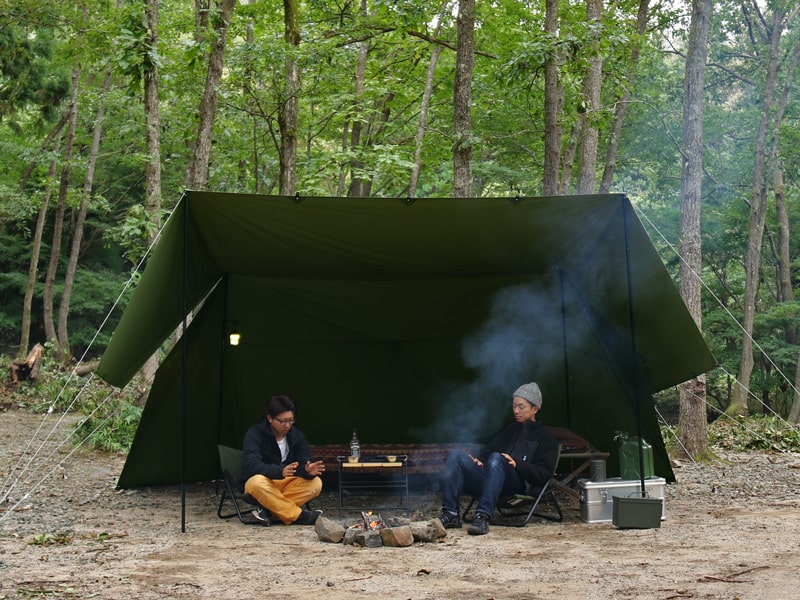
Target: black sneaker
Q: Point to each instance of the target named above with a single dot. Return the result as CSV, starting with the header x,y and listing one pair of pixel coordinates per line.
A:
x,y
307,517
263,515
450,520
480,526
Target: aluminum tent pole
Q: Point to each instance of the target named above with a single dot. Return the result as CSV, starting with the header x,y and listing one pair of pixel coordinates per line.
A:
x,y
637,391
184,355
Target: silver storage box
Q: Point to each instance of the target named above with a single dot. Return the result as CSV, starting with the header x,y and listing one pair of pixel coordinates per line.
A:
x,y
596,496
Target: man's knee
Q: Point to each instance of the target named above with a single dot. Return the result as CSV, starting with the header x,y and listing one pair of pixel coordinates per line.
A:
x,y
255,482
457,458
496,461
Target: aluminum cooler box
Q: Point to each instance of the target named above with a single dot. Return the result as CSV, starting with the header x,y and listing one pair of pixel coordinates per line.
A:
x,y
597,496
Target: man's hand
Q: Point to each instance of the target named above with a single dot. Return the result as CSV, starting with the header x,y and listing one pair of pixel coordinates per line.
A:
x,y
510,460
476,461
289,470
315,469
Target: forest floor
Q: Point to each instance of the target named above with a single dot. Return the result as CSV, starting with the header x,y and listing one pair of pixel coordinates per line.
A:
x,y
732,531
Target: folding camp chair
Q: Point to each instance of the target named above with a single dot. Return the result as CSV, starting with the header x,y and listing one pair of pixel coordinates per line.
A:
x,y
525,505
230,463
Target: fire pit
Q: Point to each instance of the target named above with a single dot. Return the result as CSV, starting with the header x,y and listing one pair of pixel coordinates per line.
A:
x,y
372,531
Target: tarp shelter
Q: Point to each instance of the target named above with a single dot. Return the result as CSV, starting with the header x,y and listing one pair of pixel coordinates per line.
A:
x,y
412,321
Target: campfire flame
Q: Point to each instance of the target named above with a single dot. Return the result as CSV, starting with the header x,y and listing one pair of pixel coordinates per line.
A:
x,y
371,522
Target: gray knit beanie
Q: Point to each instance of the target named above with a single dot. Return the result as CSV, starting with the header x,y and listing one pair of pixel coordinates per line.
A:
x,y
531,393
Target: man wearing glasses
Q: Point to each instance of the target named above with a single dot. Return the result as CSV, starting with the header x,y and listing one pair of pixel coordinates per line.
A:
x,y
277,467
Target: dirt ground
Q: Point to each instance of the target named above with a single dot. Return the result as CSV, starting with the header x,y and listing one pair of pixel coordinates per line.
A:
x,y
732,531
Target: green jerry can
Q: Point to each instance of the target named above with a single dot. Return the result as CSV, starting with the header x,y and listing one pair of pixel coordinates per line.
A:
x,y
629,457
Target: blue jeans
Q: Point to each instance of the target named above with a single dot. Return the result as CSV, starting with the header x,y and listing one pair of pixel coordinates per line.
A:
x,y
494,480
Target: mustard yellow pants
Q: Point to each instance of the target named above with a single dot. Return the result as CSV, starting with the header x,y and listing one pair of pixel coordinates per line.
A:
x,y
283,497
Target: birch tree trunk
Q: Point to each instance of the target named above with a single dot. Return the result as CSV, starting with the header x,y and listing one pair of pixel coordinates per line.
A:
x,y
197,173
552,104
587,171
462,97
692,420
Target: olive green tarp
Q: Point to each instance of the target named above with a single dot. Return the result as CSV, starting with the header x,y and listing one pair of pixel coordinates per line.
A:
x,y
411,321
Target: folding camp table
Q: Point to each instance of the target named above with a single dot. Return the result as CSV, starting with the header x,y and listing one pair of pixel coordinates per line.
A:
x,y
574,448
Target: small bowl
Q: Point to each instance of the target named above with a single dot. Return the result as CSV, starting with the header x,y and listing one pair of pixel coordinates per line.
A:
x,y
352,459
391,458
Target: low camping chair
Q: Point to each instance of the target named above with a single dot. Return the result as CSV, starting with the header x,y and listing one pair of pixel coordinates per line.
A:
x,y
230,463
525,505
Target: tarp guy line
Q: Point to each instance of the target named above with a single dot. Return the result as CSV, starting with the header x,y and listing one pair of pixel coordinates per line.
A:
x,y
725,308
50,409
47,475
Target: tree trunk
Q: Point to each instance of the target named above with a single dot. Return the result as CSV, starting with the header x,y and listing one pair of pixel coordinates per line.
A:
x,y
693,423
152,169
785,290
552,105
423,121
152,117
427,94
462,98
568,159
197,175
33,268
288,113
794,413
587,172
356,164
77,236
610,166
758,213
58,224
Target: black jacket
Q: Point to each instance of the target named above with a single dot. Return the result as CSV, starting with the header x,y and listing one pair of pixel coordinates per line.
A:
x,y
261,455
531,445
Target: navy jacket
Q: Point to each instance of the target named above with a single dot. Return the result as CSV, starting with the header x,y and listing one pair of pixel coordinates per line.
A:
x,y
261,455
531,445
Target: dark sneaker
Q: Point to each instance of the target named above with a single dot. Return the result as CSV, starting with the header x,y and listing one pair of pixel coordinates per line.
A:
x,y
480,526
307,517
450,520
263,515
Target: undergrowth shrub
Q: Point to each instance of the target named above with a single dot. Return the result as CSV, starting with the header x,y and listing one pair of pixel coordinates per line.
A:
x,y
754,433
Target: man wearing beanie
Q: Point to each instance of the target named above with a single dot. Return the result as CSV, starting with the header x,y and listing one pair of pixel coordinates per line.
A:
x,y
521,456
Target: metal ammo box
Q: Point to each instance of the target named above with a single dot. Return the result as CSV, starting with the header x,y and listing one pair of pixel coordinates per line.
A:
x,y
597,496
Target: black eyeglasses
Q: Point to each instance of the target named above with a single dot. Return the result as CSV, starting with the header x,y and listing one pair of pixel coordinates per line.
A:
x,y
284,421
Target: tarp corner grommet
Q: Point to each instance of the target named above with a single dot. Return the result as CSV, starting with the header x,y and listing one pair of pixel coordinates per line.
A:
x,y
408,200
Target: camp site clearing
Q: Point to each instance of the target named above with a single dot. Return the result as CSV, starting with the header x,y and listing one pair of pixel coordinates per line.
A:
x,y
731,531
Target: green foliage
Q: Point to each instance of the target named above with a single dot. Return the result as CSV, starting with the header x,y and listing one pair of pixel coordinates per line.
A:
x,y
111,428
110,416
51,539
754,433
